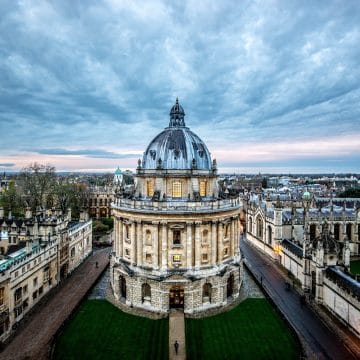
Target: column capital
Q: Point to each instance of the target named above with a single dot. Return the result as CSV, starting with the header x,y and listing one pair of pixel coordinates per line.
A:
x,y
189,223
162,222
155,222
198,223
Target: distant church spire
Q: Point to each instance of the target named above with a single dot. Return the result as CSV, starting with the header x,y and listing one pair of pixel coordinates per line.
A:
x,y
177,115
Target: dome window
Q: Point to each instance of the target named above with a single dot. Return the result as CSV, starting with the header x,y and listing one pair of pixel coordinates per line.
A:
x,y
202,188
176,189
149,188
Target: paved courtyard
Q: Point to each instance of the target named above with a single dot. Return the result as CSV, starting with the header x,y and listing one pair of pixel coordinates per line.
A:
x,y
34,339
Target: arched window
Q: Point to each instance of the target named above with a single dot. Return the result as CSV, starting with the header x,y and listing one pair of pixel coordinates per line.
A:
x,y
349,231
269,235
207,293
148,239
250,225
122,287
176,189
100,202
337,231
259,227
230,286
146,293
202,188
105,202
150,188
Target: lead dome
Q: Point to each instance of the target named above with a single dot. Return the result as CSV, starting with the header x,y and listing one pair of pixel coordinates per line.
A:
x,y
177,148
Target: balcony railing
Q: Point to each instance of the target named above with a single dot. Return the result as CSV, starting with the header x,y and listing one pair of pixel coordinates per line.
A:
x,y
176,205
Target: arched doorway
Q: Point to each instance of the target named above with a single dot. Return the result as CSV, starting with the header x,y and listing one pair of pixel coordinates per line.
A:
x,y
207,293
230,286
146,293
122,287
176,297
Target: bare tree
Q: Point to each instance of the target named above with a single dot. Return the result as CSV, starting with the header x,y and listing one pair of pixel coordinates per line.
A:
x,y
37,182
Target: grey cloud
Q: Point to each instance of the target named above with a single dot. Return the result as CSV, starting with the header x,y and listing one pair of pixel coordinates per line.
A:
x,y
7,164
86,152
110,71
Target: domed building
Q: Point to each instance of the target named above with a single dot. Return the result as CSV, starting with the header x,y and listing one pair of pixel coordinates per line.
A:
x,y
176,235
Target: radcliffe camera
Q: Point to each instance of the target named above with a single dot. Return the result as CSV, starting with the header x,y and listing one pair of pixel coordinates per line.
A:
x,y
179,180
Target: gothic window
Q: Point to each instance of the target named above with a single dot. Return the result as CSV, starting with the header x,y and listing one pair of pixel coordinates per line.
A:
x,y
176,189
176,237
149,188
72,253
207,293
250,224
202,188
259,227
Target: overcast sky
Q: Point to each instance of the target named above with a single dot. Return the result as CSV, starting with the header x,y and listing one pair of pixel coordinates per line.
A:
x,y
270,86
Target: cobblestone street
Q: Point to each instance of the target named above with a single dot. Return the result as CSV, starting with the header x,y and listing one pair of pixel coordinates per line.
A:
x,y
34,339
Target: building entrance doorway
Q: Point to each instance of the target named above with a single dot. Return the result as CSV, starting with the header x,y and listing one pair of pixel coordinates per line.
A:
x,y
63,271
176,297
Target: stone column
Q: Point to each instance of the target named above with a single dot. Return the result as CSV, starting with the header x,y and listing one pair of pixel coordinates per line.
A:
x,y
139,242
232,237
120,238
189,252
164,245
220,241
156,245
214,241
197,244
133,242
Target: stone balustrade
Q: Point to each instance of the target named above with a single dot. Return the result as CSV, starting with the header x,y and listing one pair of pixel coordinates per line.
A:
x,y
174,205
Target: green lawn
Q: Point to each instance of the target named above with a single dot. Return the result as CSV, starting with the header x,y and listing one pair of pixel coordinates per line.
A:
x,y
99,330
253,330
355,267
